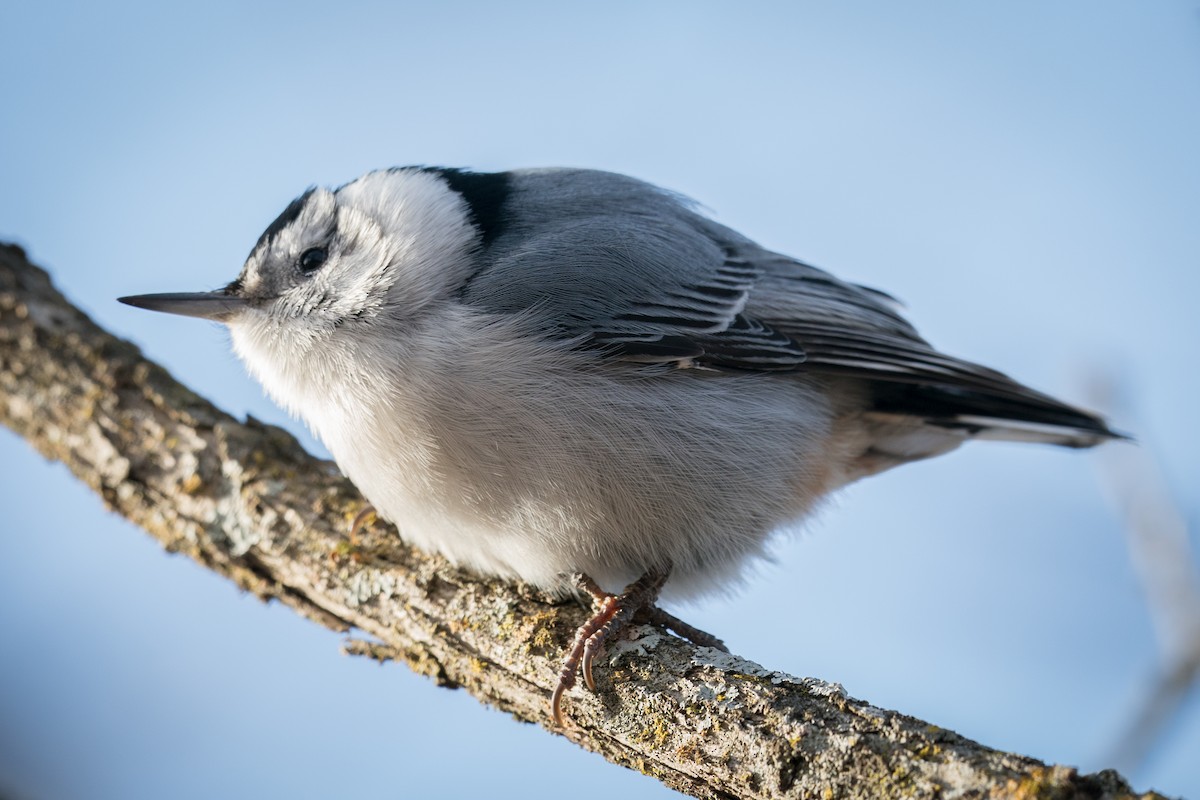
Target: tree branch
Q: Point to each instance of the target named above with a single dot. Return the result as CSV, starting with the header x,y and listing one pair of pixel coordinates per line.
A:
x,y
246,501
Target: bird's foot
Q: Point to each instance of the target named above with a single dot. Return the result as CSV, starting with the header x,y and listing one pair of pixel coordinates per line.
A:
x,y
613,613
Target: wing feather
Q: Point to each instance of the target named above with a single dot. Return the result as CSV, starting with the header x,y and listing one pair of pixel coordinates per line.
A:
x,y
633,273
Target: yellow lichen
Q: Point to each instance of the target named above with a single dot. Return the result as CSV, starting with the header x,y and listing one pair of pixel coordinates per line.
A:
x,y
656,733
1040,782
929,751
542,638
507,626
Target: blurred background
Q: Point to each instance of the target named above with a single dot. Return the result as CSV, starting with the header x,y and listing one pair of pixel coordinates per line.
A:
x,y
1024,175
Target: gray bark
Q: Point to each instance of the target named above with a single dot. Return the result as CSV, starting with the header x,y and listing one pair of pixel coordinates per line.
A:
x,y
246,501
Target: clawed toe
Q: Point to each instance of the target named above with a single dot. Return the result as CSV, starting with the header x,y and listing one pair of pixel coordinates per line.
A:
x,y
588,639
613,614
361,520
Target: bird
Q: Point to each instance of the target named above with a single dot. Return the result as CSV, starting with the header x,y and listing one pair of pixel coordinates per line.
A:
x,y
576,379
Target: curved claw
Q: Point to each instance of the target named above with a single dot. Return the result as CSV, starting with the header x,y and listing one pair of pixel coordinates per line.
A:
x,y
361,520
582,649
556,704
589,655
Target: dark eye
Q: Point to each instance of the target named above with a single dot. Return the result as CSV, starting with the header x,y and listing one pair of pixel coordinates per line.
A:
x,y
311,260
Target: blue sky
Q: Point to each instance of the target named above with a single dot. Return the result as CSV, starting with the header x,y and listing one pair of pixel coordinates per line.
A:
x,y
1023,175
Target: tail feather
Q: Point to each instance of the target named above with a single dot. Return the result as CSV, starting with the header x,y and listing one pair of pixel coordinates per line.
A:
x,y
1017,414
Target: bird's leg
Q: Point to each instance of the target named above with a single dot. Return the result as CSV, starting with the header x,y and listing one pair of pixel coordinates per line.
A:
x,y
613,613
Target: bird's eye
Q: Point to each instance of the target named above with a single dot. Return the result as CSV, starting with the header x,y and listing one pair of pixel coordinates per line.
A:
x,y
311,260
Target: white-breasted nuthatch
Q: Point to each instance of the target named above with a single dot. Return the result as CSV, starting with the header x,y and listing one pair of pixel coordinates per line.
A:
x,y
559,372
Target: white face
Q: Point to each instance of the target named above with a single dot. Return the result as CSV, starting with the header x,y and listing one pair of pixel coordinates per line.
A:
x,y
369,258
388,244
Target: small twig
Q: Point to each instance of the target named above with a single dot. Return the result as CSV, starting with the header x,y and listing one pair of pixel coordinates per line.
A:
x,y
1159,547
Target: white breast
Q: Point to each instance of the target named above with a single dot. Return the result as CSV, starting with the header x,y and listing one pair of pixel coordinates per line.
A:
x,y
521,459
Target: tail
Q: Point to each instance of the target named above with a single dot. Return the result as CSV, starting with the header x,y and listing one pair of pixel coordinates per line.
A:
x,y
1006,412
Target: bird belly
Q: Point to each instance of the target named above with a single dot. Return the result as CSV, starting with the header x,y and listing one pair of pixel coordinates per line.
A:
x,y
604,476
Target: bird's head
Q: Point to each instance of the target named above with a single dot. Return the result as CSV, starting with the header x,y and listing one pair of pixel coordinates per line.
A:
x,y
384,247
339,279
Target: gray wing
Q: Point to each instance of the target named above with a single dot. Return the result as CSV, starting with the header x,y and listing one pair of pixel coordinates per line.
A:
x,y
632,272
629,270
656,294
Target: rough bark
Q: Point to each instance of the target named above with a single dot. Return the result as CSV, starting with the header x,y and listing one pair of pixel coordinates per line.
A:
x,y
246,501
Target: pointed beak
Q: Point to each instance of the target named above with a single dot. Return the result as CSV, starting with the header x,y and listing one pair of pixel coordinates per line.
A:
x,y
217,306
